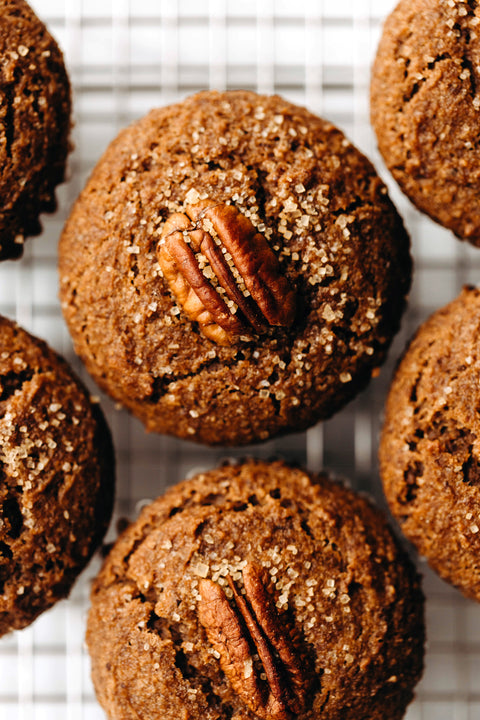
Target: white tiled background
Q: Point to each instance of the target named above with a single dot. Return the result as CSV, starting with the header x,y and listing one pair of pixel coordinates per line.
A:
x,y
125,56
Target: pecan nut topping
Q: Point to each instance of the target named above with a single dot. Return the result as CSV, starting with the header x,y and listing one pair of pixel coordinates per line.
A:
x,y
223,273
254,624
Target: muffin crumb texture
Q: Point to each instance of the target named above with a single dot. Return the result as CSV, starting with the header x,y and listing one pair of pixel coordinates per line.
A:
x,y
56,477
256,591
233,269
34,124
430,451
425,106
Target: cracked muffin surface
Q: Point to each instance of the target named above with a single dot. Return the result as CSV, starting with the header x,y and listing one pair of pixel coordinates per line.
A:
x,y
35,107
430,444
425,105
56,477
184,198
256,590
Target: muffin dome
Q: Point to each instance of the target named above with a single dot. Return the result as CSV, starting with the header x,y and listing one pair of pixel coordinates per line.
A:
x,y
425,105
34,124
233,269
430,445
56,477
256,591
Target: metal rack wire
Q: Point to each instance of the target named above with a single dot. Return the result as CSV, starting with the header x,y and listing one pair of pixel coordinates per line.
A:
x,y
124,57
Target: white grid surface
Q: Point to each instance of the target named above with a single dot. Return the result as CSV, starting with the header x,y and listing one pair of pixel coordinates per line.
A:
x,y
124,57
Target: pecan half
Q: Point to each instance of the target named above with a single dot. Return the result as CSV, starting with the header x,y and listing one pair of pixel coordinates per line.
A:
x,y
223,273
254,624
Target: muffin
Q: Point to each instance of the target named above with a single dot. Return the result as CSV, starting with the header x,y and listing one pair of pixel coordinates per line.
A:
x,y
256,591
34,124
425,106
430,451
56,477
233,269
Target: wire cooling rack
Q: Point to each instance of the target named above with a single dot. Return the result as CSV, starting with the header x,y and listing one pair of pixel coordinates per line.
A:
x,y
124,57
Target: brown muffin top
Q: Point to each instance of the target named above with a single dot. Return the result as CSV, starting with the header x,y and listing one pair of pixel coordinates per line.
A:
x,y
336,599
34,123
430,451
339,248
56,477
425,107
